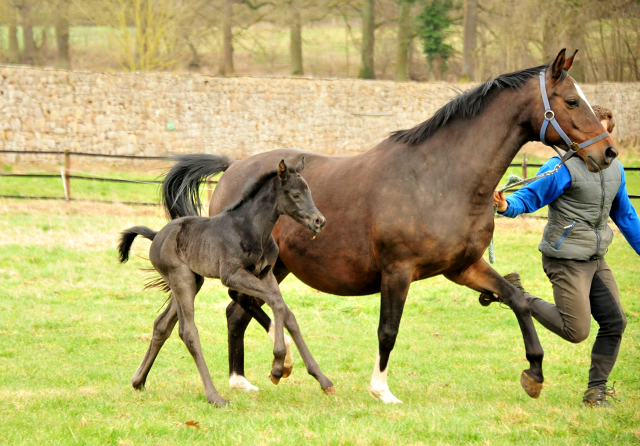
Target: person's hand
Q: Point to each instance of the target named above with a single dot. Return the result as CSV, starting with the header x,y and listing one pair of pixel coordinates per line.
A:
x,y
500,200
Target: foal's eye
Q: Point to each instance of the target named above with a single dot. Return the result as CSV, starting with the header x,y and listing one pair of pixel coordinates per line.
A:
x,y
572,102
295,196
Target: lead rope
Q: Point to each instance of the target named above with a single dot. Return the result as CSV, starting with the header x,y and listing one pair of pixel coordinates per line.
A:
x,y
514,181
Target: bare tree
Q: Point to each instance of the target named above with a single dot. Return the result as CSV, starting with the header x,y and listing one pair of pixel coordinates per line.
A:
x,y
368,40
469,39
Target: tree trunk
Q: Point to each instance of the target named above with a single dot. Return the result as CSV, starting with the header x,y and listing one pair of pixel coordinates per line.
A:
x,y
63,59
29,54
14,48
295,42
470,39
226,64
368,29
404,29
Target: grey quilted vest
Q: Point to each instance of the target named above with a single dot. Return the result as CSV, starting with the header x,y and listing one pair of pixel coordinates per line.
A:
x,y
577,228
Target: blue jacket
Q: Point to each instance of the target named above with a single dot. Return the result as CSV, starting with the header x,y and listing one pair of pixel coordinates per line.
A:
x,y
542,192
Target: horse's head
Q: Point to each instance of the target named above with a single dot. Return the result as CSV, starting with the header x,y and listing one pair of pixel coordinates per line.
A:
x,y
574,116
295,199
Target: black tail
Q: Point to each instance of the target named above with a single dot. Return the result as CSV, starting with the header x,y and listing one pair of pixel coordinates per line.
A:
x,y
181,186
127,237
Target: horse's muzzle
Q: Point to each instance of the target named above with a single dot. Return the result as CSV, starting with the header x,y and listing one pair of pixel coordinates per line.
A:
x,y
610,153
317,223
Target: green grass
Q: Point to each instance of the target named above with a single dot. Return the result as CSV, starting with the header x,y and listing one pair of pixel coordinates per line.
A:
x,y
74,326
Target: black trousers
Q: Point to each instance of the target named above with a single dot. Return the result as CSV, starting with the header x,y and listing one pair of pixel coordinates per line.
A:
x,y
580,290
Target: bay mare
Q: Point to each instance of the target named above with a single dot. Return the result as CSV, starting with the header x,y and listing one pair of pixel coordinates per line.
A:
x,y
417,205
237,247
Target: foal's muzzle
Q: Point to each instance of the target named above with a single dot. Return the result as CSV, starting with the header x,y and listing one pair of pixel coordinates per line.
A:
x,y
316,223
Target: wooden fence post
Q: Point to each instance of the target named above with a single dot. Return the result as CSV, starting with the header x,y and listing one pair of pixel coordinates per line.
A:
x,y
524,166
67,175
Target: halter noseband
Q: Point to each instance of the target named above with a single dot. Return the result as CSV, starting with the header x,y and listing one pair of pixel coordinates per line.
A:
x,y
549,117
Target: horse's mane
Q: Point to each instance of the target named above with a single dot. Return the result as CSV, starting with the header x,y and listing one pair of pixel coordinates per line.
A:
x,y
467,104
252,190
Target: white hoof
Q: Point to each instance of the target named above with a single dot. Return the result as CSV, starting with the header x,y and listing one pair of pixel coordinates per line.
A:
x,y
239,382
384,395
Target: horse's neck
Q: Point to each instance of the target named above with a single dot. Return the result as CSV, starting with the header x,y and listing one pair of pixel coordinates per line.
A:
x,y
482,147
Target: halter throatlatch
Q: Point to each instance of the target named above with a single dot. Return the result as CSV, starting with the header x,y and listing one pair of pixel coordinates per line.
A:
x,y
549,117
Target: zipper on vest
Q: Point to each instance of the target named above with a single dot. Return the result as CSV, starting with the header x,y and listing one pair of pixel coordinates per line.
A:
x,y
599,216
566,234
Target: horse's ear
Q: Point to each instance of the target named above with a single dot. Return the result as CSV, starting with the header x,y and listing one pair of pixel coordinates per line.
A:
x,y
569,61
558,65
300,166
283,171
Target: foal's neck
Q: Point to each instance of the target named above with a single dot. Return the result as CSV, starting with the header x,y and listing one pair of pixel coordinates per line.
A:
x,y
261,211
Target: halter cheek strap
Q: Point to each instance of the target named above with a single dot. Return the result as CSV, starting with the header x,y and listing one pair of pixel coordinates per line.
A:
x,y
549,117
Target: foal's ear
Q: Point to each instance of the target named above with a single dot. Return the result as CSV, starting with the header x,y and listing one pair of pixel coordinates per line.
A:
x,y
283,171
300,166
558,65
569,61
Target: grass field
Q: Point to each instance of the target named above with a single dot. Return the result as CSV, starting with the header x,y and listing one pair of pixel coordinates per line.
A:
x,y
75,324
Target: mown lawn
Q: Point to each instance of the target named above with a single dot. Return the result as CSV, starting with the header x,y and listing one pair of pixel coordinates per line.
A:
x,y
75,324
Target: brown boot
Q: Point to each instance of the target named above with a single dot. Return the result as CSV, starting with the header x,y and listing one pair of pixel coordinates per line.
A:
x,y
513,278
597,396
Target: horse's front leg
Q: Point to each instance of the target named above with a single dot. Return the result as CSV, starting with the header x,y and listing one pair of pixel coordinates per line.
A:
x,y
266,289
393,294
481,277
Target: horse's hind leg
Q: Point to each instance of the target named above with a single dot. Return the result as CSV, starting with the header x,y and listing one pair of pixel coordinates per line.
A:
x,y
162,328
184,286
481,277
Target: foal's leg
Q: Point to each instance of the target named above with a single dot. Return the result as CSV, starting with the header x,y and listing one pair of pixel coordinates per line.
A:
x,y
184,286
266,289
481,277
393,294
312,366
162,328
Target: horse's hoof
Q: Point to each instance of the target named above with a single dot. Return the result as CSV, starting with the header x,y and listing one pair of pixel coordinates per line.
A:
x,y
273,379
138,387
220,402
329,390
530,385
286,371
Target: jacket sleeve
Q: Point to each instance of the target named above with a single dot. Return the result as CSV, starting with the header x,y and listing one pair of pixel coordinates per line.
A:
x,y
541,192
625,216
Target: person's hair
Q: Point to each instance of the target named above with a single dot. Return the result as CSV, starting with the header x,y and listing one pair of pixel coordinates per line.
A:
x,y
603,113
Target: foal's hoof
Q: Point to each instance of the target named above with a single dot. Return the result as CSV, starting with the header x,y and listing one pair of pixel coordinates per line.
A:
x,y
530,385
220,402
273,379
286,371
329,390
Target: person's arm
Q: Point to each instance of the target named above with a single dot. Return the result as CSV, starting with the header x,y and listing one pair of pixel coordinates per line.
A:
x,y
625,216
540,193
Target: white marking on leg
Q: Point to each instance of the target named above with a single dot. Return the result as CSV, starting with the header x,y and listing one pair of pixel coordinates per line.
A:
x,y
379,389
239,382
288,359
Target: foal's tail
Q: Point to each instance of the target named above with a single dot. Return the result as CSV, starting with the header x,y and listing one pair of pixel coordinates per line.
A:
x,y
181,186
127,237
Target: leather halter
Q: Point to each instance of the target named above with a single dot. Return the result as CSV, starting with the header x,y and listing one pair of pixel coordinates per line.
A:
x,y
549,117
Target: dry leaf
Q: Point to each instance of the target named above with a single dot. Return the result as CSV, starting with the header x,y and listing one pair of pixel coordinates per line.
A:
x,y
83,421
192,423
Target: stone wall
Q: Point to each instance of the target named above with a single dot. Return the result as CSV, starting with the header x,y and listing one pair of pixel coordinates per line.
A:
x,y
160,113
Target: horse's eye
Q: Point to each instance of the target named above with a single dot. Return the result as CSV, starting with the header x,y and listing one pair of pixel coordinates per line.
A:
x,y
295,196
572,102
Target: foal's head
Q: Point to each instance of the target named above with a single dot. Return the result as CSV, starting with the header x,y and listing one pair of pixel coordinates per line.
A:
x,y
295,199
575,116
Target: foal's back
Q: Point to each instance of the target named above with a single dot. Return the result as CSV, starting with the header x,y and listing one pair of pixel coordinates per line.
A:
x,y
194,242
